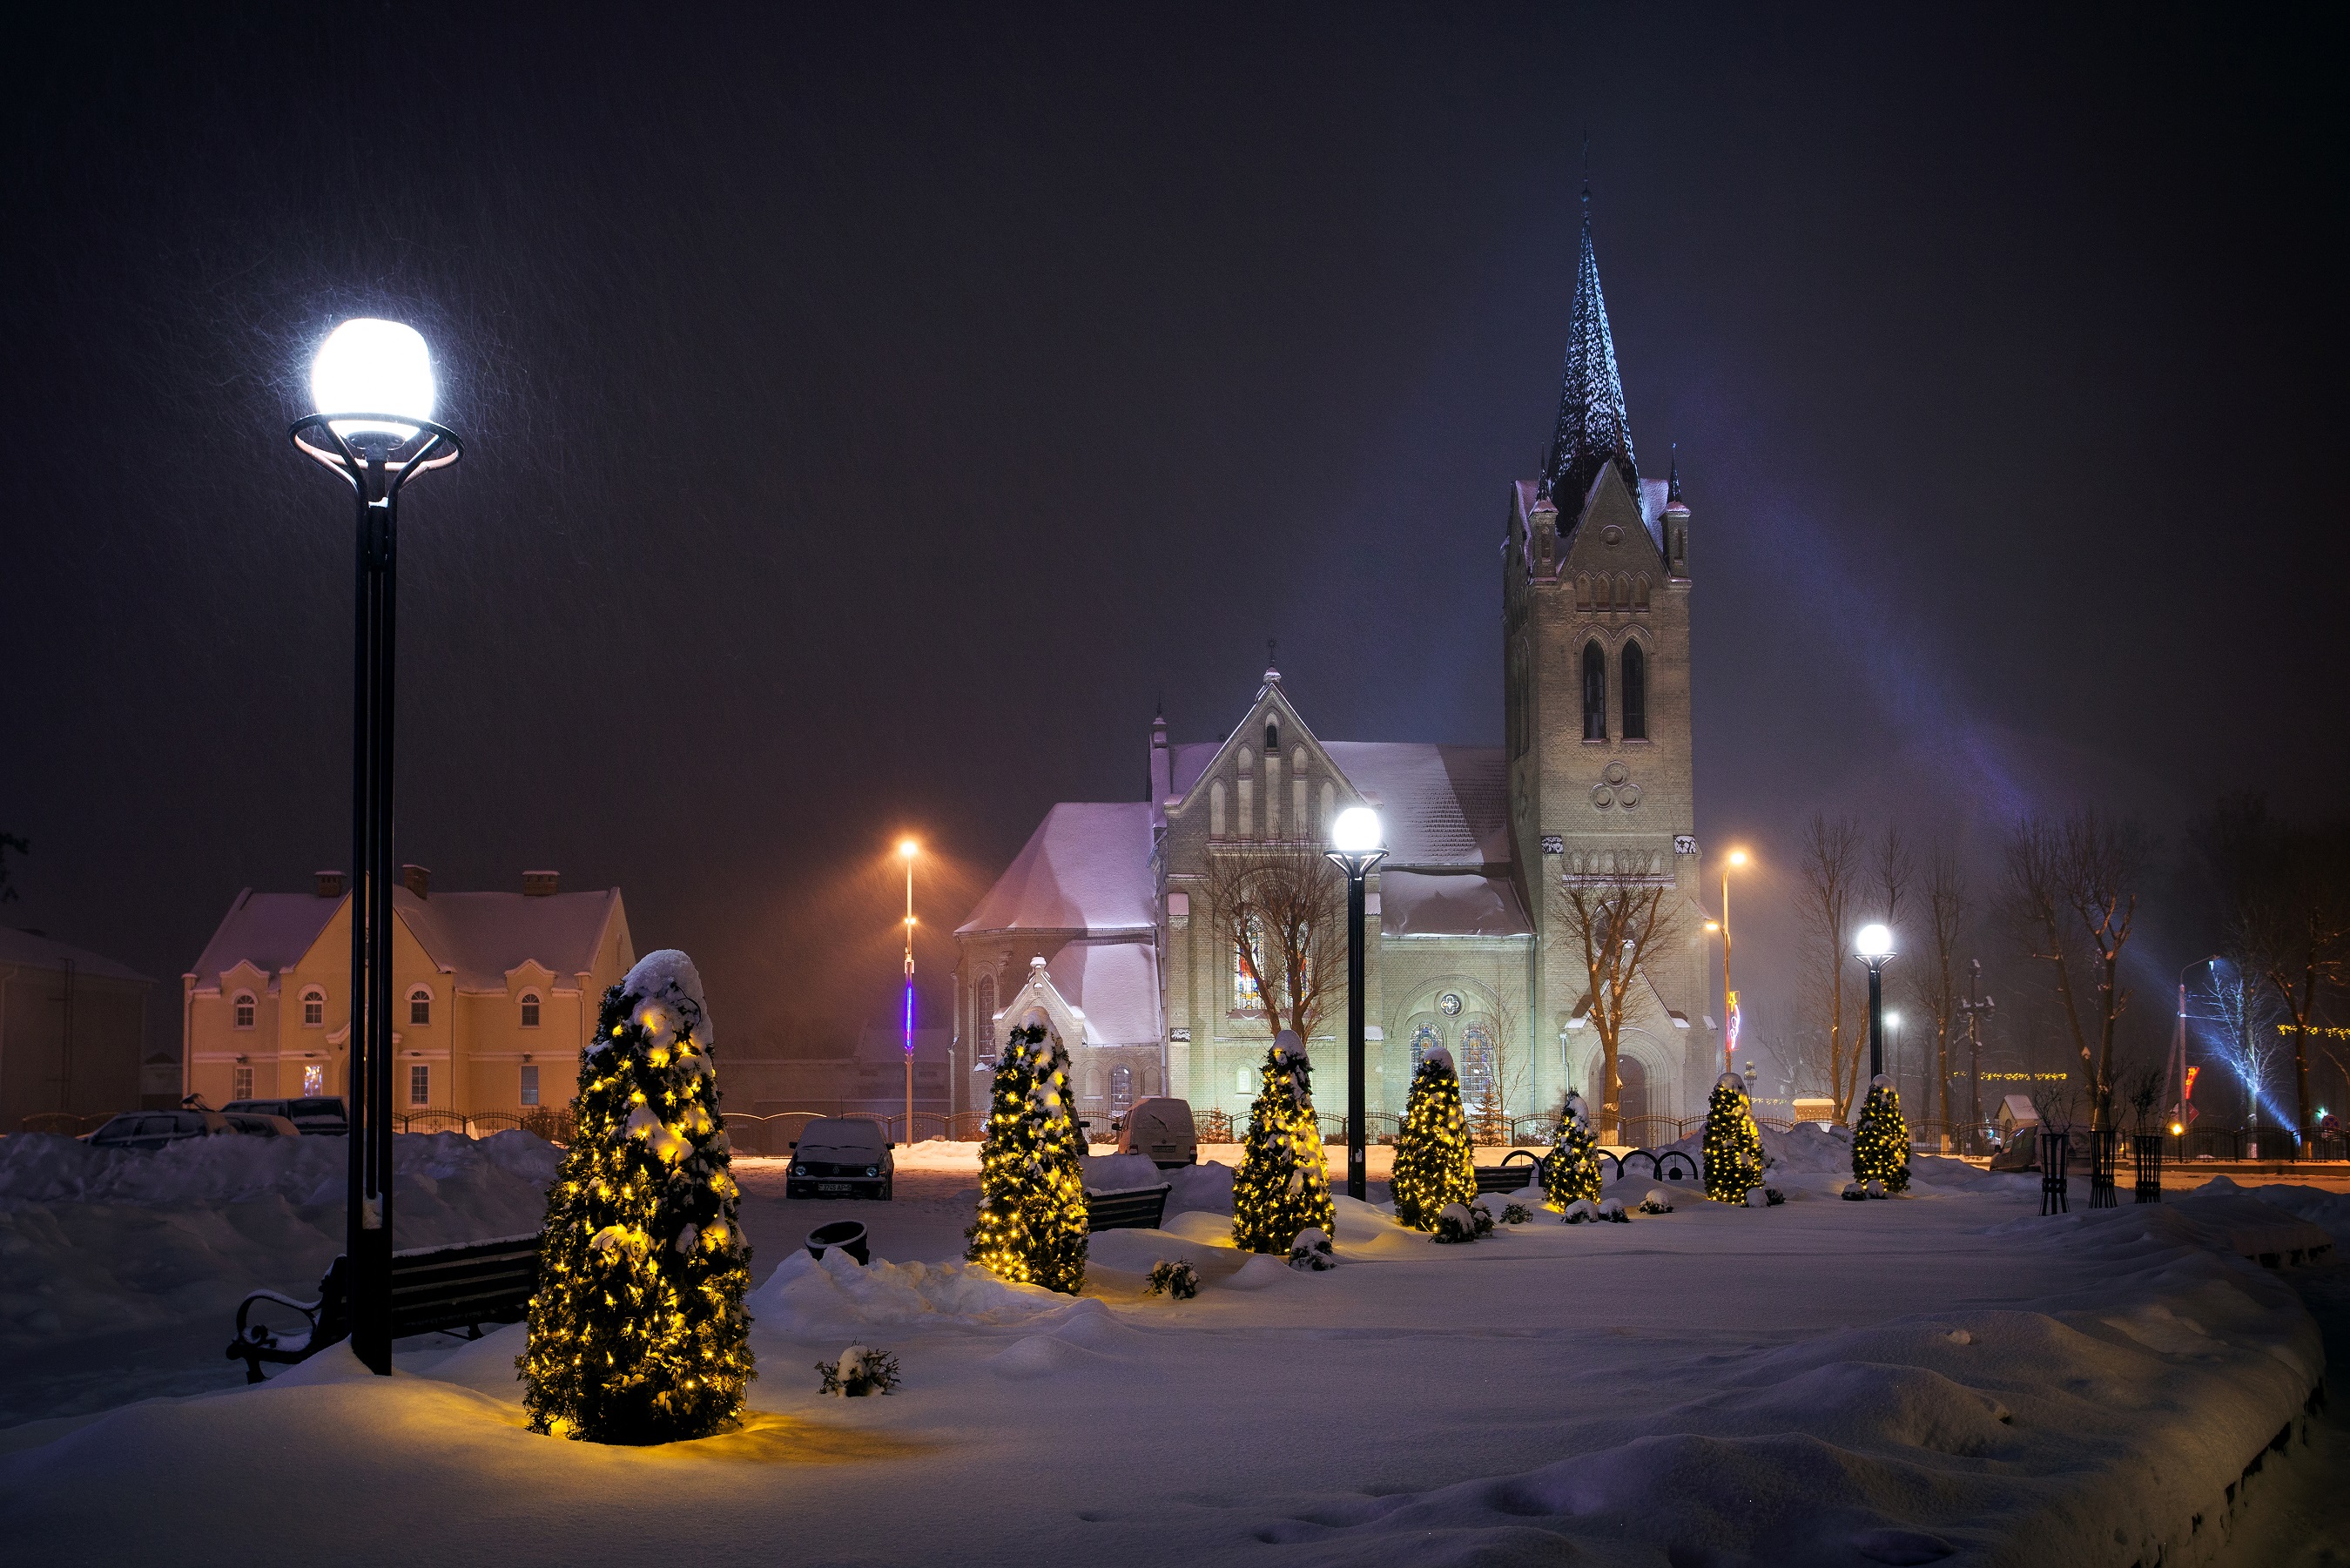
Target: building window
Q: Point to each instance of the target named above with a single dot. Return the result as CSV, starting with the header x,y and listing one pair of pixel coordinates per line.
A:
x,y
983,1028
530,1012
1272,740
314,1078
530,1085
1640,593
244,1009
1595,692
420,1006
420,1084
314,1009
1424,1039
1246,998
1583,593
1635,692
1244,1079
1476,1066
1121,1090
240,1083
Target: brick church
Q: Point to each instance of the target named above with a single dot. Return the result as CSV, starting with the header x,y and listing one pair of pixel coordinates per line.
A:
x,y
1101,926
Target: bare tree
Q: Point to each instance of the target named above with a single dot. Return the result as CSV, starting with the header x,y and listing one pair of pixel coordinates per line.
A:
x,y
1513,1062
1832,878
2294,924
1934,979
1281,911
2247,1016
1617,918
2072,895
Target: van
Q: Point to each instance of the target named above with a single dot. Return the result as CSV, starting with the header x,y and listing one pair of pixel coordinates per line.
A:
x,y
1161,1129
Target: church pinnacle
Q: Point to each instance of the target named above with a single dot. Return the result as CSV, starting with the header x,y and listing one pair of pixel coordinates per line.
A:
x,y
1592,424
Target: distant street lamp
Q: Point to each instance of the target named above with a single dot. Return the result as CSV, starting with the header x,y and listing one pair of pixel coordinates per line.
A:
x,y
372,385
1873,947
907,850
1355,848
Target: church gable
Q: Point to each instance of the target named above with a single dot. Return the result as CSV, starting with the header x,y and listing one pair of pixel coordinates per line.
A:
x,y
1271,779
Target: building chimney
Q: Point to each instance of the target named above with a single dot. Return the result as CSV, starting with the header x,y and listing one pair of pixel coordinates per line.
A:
x,y
419,879
330,883
539,883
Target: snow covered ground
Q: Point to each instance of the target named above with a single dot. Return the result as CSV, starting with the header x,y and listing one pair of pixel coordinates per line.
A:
x,y
1944,1378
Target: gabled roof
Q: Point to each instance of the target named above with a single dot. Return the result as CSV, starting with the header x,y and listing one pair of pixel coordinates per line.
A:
x,y
1085,869
1458,904
481,936
1655,496
1441,805
269,930
35,951
1115,986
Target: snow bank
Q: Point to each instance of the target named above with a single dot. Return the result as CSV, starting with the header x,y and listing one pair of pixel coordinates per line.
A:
x,y
822,1299
39,1167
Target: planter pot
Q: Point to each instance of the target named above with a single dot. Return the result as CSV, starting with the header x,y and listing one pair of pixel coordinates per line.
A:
x,y
847,1235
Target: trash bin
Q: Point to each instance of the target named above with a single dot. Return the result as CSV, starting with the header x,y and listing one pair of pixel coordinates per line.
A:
x,y
847,1235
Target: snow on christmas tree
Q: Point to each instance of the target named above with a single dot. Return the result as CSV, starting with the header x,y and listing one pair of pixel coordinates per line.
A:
x,y
1880,1141
1283,1185
1433,1166
1733,1144
1571,1172
637,1333
1031,1225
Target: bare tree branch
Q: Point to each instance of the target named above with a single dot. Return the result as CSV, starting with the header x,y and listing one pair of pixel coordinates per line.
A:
x,y
1280,909
1617,918
1831,872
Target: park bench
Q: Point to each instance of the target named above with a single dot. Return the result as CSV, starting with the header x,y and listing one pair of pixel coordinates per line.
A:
x,y
1511,1175
434,1289
1130,1208
1662,1166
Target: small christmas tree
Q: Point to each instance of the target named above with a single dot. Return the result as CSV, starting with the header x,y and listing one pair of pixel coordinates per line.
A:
x,y
1571,1172
637,1333
1433,1166
1283,1185
1031,1225
1733,1144
1880,1141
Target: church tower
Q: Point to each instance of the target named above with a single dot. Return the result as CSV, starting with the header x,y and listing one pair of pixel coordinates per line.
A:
x,y
1595,655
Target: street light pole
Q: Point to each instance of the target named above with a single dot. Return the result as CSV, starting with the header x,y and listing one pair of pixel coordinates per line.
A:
x,y
372,385
1875,945
907,850
1730,1019
1355,850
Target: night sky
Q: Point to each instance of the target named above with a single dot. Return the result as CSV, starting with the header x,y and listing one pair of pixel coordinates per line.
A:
x,y
871,415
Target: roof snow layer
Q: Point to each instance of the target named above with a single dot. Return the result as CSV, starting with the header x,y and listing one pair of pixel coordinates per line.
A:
x,y
1418,903
1115,986
1085,869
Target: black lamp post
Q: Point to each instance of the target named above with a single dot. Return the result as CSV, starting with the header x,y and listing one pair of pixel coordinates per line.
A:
x,y
372,383
1875,945
1355,850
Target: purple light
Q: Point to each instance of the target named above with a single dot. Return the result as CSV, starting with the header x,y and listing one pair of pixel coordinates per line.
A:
x,y
909,1018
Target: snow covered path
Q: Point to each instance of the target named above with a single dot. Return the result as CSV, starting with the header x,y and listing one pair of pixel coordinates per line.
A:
x,y
1942,1378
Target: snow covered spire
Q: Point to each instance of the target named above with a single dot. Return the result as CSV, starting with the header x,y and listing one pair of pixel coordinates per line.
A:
x,y
1673,478
1592,424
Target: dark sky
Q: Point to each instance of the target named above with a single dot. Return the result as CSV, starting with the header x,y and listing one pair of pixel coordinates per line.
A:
x,y
871,412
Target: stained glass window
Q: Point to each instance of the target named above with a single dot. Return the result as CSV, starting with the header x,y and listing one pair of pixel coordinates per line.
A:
x,y
1476,1064
1246,995
1423,1040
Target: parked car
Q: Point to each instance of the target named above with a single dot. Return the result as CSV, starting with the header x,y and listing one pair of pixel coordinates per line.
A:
x,y
1161,1129
314,1115
252,1124
841,1156
154,1129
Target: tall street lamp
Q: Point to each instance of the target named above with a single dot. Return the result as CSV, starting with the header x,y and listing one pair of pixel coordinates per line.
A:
x,y
907,850
372,385
1729,1014
1873,947
1976,1010
1355,848
1893,1022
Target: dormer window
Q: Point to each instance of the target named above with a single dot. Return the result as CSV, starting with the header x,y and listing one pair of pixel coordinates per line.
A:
x,y
420,1006
244,1008
314,1008
530,1010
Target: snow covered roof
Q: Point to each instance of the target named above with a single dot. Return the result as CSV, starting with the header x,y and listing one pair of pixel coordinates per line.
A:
x,y
35,951
478,935
1441,805
1085,869
1460,904
1115,986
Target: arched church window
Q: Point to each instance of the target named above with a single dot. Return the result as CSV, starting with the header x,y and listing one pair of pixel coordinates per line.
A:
x,y
1595,692
1329,797
1623,591
1272,740
983,1028
1640,592
1424,1039
1216,809
1121,1090
1583,592
1476,1066
1599,594
1246,998
1635,692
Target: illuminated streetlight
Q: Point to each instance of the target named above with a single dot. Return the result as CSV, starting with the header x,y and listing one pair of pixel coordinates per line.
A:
x,y
1731,1017
1873,947
372,385
907,850
1357,843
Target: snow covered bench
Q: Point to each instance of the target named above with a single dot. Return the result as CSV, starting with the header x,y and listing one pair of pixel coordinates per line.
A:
x,y
1661,1165
1510,1176
1132,1209
433,1289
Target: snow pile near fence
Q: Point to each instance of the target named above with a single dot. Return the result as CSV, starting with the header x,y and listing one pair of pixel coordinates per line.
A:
x,y
823,1299
40,1168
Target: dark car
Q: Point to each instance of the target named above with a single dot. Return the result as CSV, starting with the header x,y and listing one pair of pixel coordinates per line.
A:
x,y
841,1156
314,1115
153,1129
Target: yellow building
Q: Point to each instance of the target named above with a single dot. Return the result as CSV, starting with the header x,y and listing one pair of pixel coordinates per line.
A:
x,y
493,994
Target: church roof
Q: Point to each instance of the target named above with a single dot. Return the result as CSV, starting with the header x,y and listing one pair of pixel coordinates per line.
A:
x,y
1441,805
1116,986
1085,869
1458,904
1593,426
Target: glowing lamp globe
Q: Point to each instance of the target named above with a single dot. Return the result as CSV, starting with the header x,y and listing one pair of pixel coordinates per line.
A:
x,y
1874,942
1356,831
371,367
1738,857
908,848
1892,1019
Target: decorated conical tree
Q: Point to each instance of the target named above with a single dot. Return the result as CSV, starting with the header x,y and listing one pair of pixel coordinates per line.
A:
x,y
637,1332
1283,1185
1733,1144
1031,1225
1880,1140
1573,1170
1433,1165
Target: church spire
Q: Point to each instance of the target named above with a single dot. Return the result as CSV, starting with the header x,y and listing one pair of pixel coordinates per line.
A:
x,y
1592,424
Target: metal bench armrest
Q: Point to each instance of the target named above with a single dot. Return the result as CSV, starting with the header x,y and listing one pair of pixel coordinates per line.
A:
x,y
258,1334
